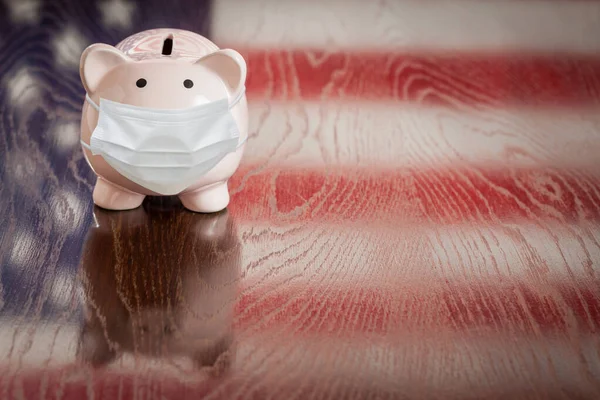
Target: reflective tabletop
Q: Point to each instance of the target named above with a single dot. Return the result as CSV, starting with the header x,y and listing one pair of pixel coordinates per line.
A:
x,y
417,213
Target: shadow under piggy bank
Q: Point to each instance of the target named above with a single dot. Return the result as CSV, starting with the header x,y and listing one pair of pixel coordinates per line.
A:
x,y
161,282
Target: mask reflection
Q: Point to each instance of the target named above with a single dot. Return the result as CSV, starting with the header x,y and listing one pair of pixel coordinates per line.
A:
x,y
159,281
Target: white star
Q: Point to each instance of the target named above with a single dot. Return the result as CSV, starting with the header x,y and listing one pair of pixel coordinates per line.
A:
x,y
24,247
66,136
22,167
22,87
24,10
68,47
68,211
62,289
117,13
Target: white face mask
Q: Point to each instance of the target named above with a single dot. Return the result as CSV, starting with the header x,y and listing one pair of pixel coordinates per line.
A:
x,y
165,151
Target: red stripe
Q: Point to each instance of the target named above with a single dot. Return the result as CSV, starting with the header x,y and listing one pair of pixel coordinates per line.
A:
x,y
432,307
69,384
440,79
285,381
499,312
436,196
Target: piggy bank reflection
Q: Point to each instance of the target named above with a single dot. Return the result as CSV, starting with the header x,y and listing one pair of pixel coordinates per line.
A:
x,y
138,137
160,282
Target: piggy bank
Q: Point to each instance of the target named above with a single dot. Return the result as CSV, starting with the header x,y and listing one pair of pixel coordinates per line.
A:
x,y
165,115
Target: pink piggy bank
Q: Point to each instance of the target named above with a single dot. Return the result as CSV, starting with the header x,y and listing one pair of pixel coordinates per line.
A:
x,y
165,114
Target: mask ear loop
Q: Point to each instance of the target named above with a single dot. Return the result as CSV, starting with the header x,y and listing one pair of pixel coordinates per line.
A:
x,y
91,102
95,106
240,144
237,96
236,99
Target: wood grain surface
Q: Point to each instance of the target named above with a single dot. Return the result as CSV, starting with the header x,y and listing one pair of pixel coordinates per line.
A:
x,y
417,214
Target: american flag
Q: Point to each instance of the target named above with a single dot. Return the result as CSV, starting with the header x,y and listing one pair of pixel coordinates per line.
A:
x,y
431,168
418,204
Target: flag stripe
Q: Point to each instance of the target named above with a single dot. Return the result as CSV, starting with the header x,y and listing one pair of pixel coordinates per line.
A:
x,y
404,254
272,365
329,310
365,134
489,278
418,366
343,195
491,26
499,307
452,80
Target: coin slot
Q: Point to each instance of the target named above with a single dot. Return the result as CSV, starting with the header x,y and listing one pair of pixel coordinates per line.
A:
x,y
167,49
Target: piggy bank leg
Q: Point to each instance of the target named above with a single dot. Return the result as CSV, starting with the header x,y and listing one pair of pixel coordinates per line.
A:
x,y
208,199
111,197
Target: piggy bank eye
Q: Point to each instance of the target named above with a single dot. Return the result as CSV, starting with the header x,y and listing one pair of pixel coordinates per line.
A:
x,y
188,84
141,83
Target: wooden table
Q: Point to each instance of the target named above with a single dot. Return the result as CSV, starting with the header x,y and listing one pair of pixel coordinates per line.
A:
x,y
417,213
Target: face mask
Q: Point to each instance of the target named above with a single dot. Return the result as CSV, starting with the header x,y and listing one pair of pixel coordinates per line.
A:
x,y
164,151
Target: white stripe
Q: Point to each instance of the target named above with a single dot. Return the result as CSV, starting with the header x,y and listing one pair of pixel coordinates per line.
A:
x,y
418,366
390,24
392,135
414,364
416,254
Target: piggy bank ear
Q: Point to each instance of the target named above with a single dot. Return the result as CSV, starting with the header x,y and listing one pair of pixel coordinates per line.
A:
x,y
230,66
96,61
